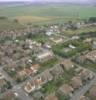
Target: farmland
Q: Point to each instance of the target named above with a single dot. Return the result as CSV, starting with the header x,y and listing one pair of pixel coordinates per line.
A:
x,y
43,14
47,12
6,24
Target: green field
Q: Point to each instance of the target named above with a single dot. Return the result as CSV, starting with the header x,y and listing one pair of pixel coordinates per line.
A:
x,y
9,24
47,13
57,10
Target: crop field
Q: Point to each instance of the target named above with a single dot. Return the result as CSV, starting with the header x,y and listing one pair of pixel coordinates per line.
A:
x,y
56,10
9,24
45,13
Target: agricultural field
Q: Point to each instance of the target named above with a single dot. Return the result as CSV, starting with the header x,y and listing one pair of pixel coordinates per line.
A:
x,y
47,13
44,14
6,24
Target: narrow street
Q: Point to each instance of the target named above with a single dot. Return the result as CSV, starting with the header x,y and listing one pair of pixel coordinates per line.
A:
x,y
83,90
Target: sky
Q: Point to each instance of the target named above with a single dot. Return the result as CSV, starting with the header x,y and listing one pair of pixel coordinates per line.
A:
x,y
50,0
46,0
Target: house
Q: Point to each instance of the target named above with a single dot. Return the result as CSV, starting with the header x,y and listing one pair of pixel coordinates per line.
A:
x,y
80,59
76,82
10,95
49,33
35,68
46,76
84,98
75,37
29,87
88,40
34,84
94,45
78,70
38,82
57,71
51,97
56,40
66,90
38,95
21,76
78,25
47,46
91,56
67,64
86,75
92,93
44,56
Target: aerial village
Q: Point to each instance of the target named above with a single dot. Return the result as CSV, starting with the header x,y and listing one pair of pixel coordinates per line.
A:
x,y
45,63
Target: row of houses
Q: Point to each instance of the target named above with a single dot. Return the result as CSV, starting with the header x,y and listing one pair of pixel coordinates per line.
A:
x,y
76,82
47,76
89,56
38,81
57,71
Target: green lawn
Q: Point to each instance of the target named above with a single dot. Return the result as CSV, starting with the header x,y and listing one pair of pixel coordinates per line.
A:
x,y
49,64
80,47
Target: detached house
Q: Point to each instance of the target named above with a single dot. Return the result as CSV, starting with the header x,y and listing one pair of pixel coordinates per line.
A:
x,y
92,93
21,76
91,56
66,90
67,64
57,71
84,98
34,84
94,45
29,87
46,76
44,56
86,75
35,68
76,82
56,40
10,95
38,81
51,97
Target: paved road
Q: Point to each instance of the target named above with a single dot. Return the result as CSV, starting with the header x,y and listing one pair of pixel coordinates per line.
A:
x,y
16,87
22,94
7,77
83,90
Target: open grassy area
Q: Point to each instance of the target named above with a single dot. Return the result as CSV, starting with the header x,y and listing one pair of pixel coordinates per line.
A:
x,y
78,44
81,30
6,24
48,64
